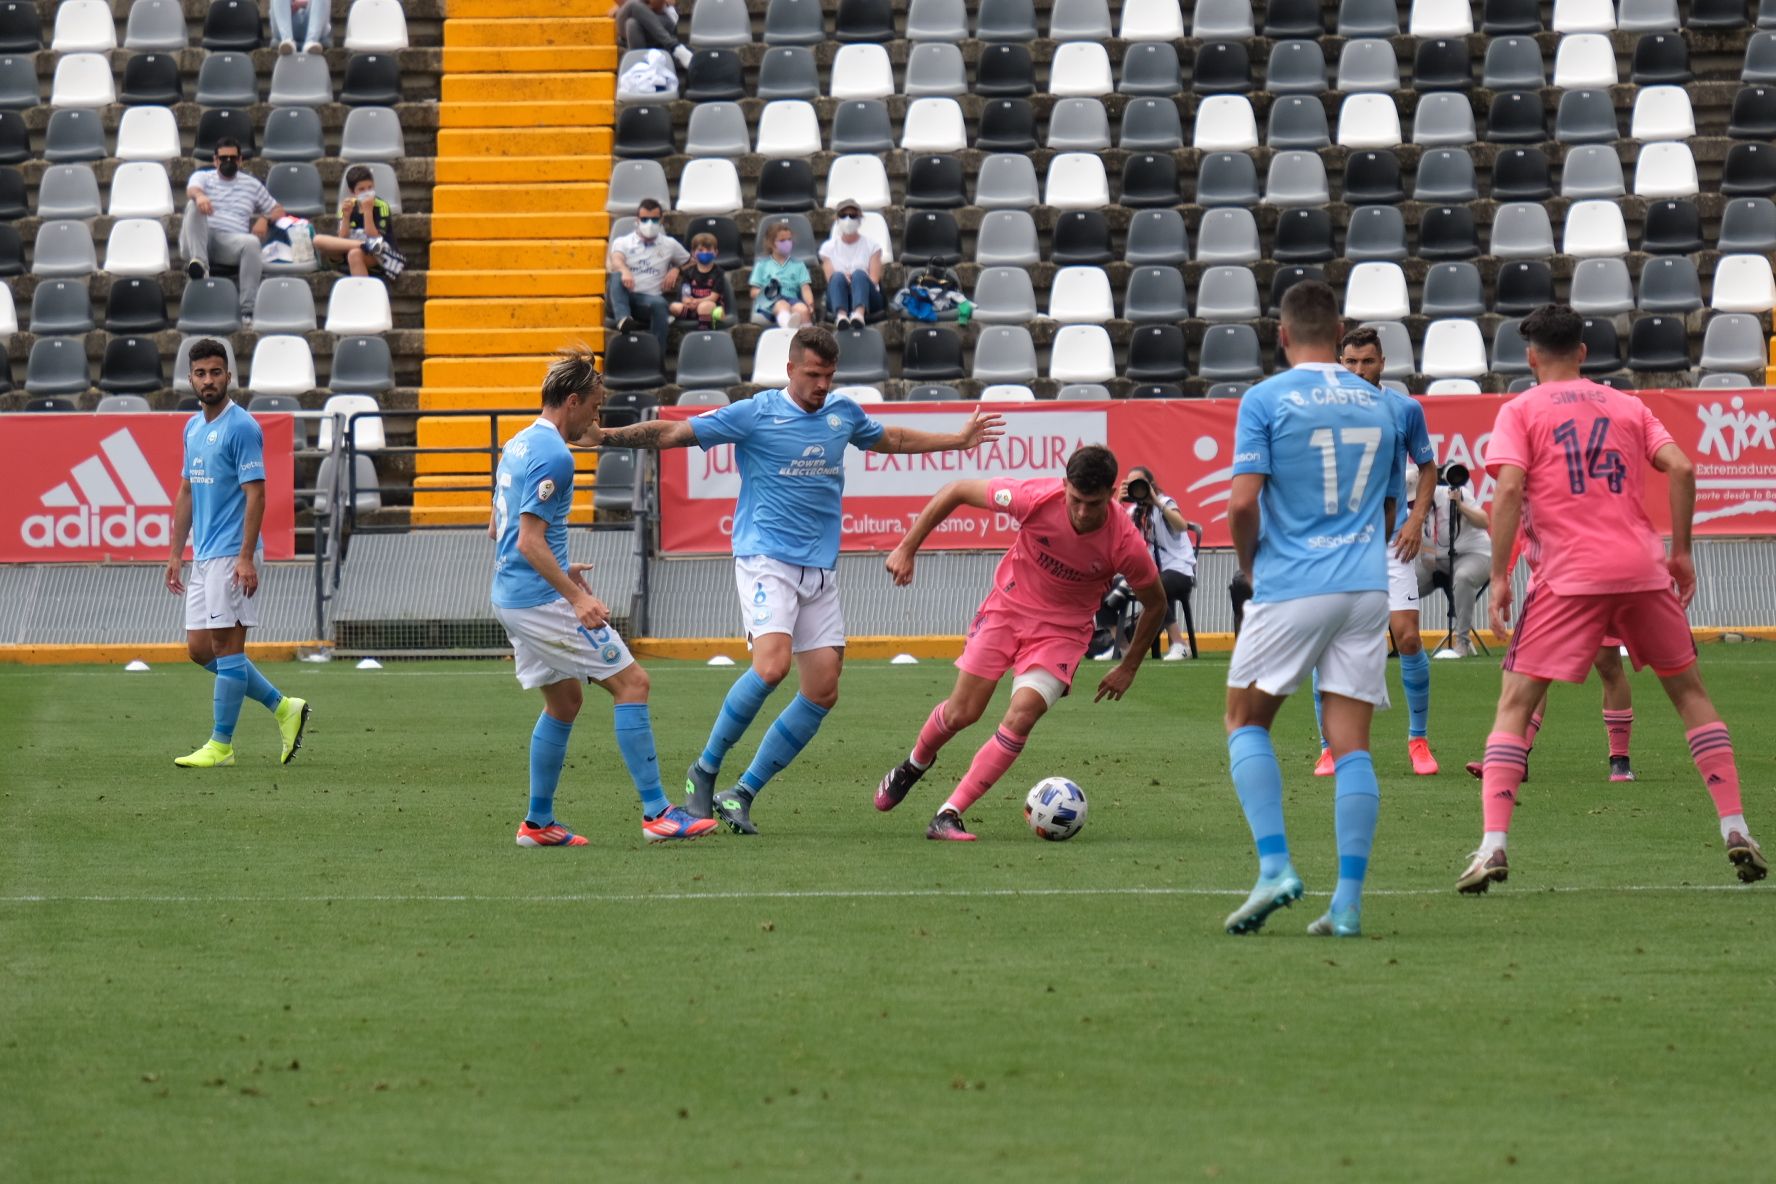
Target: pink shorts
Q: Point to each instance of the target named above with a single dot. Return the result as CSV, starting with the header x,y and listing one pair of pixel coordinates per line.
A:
x,y
1001,640
1558,636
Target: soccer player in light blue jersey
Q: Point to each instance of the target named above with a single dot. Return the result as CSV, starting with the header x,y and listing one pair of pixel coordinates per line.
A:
x,y
1317,470
220,506
789,446
561,634
1360,353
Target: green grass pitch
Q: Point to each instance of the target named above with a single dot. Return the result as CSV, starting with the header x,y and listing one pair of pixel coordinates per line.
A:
x,y
344,969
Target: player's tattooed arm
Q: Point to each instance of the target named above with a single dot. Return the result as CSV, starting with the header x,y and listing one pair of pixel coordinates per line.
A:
x,y
654,433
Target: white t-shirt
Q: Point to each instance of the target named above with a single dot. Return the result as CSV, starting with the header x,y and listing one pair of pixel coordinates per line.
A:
x,y
650,261
1469,539
1171,548
849,257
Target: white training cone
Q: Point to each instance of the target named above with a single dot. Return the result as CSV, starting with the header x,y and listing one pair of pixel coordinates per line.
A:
x,y
1444,654
369,664
721,660
136,666
903,660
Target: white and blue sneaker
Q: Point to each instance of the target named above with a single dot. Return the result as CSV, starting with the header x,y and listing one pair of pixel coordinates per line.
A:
x,y
1338,923
1271,893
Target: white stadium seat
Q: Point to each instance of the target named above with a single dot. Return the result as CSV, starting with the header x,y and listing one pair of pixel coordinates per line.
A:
x,y
1076,181
1743,283
709,186
359,304
138,246
1376,292
1080,68
860,178
1225,123
376,26
140,189
282,365
862,72
84,26
1453,349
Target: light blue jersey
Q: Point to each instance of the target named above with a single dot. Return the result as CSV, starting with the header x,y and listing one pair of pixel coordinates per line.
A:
x,y
1330,449
792,472
221,456
1415,437
536,476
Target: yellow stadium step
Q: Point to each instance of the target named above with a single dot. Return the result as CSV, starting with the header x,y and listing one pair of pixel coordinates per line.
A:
x,y
479,398
506,60
500,315
552,85
587,282
470,431
523,374
525,141
537,254
486,34
519,170
515,9
524,224
563,113
480,343
446,499
585,199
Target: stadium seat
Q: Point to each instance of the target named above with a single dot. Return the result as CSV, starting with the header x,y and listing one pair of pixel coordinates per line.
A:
x,y
1225,123
1081,353
65,247
1227,179
1513,63
1155,294
1743,283
57,366
21,29
1586,117
1078,125
1080,69
1672,227
359,304
1583,16
931,239
788,72
1156,353
1754,114
1749,170
68,191
1304,236
1718,14
1592,170
1453,386
1227,293
1076,181
131,365
19,88
1007,238
1151,68
1156,237
1299,121
84,26
1662,113
1594,229
1293,18
1666,169
1005,71
1006,126
936,182
1748,225
59,308
1376,233
82,80
1228,235
1521,174
1522,230
1005,20
862,71
362,489
1661,59
864,20
1368,18
1149,125
1659,343
1080,237
1511,16
633,180
1601,287
1373,178
863,357
931,354
1443,118
294,133
632,361
770,358
1453,289
1453,349
1222,67
1004,296
302,80
1669,283
794,22
1368,121
1522,286
858,126
371,133
787,129
1603,347
1004,354
784,186
1007,392
1295,68
935,70
378,26
1376,291
642,130
1440,18
218,122
937,20
210,305
720,130
1368,65
1230,353
1079,20
1148,180
702,398
1285,278
124,404
1724,382
1297,178
358,414
370,80
713,75
712,186
13,204
1583,61
1515,117
1080,295
1211,20
284,305
1735,341
1082,392
141,190
227,80
1443,64
720,24
234,25
934,125
149,134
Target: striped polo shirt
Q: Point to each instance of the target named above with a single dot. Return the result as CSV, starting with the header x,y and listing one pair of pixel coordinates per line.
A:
x,y
236,202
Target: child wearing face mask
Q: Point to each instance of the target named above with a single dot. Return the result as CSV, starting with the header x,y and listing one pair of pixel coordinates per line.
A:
x,y
366,229
781,288
703,292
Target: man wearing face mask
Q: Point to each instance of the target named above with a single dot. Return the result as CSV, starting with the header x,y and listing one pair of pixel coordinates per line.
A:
x,y
853,266
643,267
226,216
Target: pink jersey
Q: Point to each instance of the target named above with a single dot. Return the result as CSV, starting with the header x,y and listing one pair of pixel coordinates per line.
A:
x,y
1585,449
1050,569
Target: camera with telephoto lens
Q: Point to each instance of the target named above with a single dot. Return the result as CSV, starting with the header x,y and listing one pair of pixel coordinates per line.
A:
x,y
1137,492
1117,598
1455,475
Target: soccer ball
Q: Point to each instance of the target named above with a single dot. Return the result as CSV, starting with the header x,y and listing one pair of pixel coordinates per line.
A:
x,y
1055,809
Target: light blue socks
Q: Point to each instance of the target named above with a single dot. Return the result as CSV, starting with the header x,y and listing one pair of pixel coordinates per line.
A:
x,y
231,689
548,751
1415,676
1355,810
788,735
1258,780
635,740
738,710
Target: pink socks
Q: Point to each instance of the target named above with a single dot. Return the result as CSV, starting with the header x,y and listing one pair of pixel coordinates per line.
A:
x,y
1712,750
990,764
1507,757
1620,726
933,736
1535,725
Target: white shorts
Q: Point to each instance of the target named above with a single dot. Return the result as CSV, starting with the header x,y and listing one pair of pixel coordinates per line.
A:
x,y
1343,633
214,601
1402,585
778,597
549,645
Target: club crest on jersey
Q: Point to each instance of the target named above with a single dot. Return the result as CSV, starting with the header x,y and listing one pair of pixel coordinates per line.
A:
x,y
211,438
545,489
1002,498
832,421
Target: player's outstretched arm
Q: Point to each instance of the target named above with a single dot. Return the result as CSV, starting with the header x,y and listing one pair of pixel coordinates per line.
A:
x,y
181,530
1680,471
943,503
1507,512
1153,610
656,434
533,545
983,427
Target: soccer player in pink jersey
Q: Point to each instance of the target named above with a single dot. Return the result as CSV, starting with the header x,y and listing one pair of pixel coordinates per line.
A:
x,y
1037,620
1570,458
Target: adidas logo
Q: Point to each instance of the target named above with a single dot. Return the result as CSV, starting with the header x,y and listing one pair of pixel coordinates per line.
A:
x,y
122,504
1715,779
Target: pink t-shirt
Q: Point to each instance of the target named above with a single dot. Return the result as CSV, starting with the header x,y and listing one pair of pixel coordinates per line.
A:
x,y
1054,571
1585,449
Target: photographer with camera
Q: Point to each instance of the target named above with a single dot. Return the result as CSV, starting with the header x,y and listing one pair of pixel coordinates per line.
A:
x,y
1167,535
1457,547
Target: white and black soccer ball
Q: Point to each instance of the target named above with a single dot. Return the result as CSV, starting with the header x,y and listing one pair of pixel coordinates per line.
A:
x,y
1055,809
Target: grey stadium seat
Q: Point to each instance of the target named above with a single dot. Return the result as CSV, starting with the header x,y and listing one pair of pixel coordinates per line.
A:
x,y
372,133
1453,289
1007,238
1396,348
1157,237
297,187
1230,353
1601,287
284,305
1513,63
1592,170
1376,233
1445,175
300,80
1004,353
57,366
68,191
1735,341
210,305
708,359
794,22
293,133
1228,235
1078,125
788,72
1298,121
1669,283
937,20
863,356
1005,20
362,365
1297,178
1747,226
935,68
1079,20
1521,230
1227,294
61,308
1151,68
1004,296
64,247
1007,181
1150,125
74,135
1155,294
858,126
720,130
19,87
227,80
1227,179
1296,68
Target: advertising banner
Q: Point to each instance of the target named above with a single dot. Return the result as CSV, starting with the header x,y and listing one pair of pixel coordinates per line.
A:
x,y
100,488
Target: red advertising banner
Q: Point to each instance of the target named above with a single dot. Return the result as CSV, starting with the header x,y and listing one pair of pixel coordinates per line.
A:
x,y
1731,435
100,488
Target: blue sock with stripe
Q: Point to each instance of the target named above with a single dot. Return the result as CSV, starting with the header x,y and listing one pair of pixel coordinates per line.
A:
x,y
1415,676
1354,811
635,740
259,688
1319,713
548,752
738,710
1258,780
788,735
231,689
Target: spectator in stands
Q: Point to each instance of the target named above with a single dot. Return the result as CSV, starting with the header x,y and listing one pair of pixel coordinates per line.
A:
x,y
649,24
781,288
853,266
1458,548
644,266
227,216
366,238
308,23
703,292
